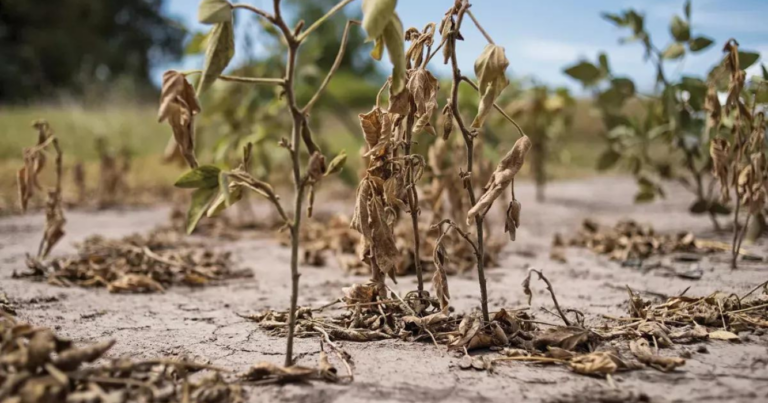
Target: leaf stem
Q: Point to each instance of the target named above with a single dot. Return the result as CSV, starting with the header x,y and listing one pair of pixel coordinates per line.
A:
x,y
497,107
322,19
332,71
480,28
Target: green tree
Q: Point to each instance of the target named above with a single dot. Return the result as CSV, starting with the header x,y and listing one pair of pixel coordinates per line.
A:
x,y
66,45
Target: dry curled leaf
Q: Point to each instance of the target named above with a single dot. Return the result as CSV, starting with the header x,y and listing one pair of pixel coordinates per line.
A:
x,y
502,177
423,86
512,221
642,350
447,120
490,69
719,150
179,105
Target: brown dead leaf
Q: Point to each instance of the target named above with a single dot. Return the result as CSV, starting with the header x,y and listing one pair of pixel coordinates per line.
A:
x,y
179,106
642,350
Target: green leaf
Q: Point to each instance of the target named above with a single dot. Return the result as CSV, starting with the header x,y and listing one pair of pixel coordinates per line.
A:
x,y
608,159
205,176
687,9
614,19
765,72
699,207
625,86
699,43
747,59
585,72
719,209
645,195
201,200
214,11
673,51
605,68
680,29
221,49
196,44
337,163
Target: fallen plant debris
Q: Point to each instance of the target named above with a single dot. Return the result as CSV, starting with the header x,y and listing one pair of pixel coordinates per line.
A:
x,y
6,305
136,263
38,366
631,243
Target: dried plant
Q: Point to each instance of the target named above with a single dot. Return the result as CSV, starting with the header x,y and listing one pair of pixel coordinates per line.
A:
x,y
739,165
631,243
217,189
388,185
136,263
546,115
38,366
28,182
674,119
113,172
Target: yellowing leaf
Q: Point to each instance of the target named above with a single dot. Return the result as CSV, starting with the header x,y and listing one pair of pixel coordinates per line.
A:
x,y
376,16
337,164
214,11
394,42
221,49
490,68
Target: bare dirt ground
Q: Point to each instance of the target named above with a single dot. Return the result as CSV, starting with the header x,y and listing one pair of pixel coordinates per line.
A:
x,y
202,322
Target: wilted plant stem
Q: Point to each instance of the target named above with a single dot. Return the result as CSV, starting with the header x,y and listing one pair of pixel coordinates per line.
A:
x,y
413,199
469,142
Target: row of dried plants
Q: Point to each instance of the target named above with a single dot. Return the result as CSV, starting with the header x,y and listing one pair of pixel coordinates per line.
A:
x,y
669,140
739,164
39,366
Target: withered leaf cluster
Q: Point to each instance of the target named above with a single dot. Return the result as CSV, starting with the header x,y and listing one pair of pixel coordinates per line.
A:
x,y
28,182
38,366
630,241
137,263
179,106
503,177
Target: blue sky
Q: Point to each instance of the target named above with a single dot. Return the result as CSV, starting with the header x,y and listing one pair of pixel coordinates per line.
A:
x,y
541,37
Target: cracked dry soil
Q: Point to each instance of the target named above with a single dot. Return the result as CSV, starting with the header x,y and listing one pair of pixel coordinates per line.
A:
x,y
202,323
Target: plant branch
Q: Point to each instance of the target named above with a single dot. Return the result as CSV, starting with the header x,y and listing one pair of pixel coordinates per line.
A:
x,y
255,10
496,106
458,229
322,19
480,28
469,141
339,57
526,286
413,197
245,80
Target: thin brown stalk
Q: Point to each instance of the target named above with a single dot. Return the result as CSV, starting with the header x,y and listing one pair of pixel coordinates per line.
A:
x,y
413,199
336,63
497,107
480,28
255,10
322,19
470,150
554,297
